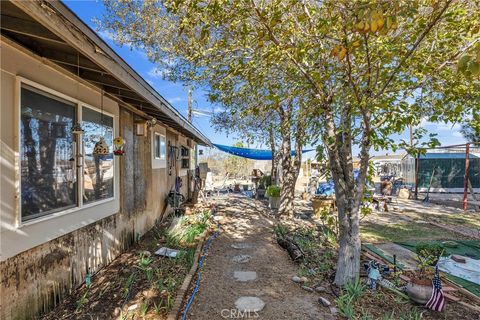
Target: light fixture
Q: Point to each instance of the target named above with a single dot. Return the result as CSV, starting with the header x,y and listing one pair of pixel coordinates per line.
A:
x,y
141,128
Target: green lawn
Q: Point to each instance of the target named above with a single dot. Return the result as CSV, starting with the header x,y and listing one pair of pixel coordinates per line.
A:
x,y
404,231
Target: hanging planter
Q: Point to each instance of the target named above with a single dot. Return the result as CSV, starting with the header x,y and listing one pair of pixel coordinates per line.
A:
x,y
119,146
101,148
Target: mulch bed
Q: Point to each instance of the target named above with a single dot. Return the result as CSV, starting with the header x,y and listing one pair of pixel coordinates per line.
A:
x,y
124,290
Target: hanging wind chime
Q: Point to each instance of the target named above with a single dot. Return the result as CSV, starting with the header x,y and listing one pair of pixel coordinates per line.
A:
x,y
101,147
77,127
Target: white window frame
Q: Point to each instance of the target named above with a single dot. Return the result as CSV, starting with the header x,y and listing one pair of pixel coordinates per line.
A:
x,y
79,146
159,162
161,138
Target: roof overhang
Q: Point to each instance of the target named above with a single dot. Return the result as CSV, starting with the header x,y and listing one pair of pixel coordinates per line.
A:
x,y
53,32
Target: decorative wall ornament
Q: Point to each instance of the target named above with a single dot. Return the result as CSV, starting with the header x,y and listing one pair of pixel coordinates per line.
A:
x,y
101,148
119,146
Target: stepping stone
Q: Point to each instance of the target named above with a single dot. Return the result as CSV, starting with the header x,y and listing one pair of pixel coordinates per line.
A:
x,y
249,304
244,276
241,245
242,258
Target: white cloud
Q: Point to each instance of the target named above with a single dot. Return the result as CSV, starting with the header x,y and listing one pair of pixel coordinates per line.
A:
x,y
157,73
457,134
441,126
175,99
106,35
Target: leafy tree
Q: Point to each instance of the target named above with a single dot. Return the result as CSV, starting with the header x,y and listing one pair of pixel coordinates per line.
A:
x,y
360,70
251,128
471,133
237,166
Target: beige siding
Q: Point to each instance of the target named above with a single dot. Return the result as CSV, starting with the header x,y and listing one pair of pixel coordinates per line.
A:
x,y
44,260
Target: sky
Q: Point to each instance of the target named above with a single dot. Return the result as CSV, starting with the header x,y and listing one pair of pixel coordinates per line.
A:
x,y
176,93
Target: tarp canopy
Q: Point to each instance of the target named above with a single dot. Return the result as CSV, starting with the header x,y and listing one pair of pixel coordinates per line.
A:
x,y
255,154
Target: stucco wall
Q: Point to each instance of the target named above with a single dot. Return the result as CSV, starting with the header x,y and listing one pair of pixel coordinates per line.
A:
x,y
44,260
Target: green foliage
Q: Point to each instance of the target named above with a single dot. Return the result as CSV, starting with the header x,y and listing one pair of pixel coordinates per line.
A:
x,y
265,181
430,249
144,309
280,230
273,191
413,314
128,284
352,292
345,306
188,228
349,73
82,301
354,289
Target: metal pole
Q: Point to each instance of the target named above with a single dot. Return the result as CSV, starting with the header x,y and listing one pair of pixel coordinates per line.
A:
x,y
465,182
190,105
417,172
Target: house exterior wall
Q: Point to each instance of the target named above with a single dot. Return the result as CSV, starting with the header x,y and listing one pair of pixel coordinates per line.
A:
x,y
45,259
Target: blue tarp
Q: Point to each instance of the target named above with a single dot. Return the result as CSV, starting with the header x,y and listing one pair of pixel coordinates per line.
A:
x,y
255,154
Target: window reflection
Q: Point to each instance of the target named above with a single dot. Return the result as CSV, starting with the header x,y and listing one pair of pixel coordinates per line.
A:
x,y
47,170
98,170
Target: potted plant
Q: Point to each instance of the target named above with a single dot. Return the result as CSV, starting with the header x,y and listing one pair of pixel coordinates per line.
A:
x,y
273,194
419,289
263,183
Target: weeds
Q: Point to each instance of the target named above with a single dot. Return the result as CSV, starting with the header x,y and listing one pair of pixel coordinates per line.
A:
x,y
83,299
414,314
280,231
144,309
345,306
128,284
354,289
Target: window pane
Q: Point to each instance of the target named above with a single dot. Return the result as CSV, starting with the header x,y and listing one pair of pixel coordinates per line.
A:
x,y
98,171
163,149
46,142
157,146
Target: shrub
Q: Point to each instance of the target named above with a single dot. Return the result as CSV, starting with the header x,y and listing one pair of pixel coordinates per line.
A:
x,y
273,191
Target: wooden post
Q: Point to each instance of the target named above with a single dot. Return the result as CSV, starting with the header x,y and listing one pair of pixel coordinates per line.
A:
x,y
465,182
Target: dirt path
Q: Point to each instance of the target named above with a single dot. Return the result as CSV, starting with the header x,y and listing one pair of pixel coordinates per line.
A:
x,y
244,225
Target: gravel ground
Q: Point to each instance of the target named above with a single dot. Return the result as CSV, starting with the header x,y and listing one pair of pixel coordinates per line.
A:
x,y
243,222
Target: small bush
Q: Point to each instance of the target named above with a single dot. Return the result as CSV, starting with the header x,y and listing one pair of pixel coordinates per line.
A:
x,y
273,191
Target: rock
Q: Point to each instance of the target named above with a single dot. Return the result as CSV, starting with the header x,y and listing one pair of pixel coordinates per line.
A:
x,y
244,276
304,279
132,307
324,301
241,245
320,289
307,288
117,311
242,258
146,253
150,293
249,304
296,279
334,311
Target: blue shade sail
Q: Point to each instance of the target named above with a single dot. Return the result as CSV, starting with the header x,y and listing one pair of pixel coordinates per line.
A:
x,y
255,154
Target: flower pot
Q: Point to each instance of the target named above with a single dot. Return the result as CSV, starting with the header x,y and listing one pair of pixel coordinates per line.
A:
x,y
419,291
274,202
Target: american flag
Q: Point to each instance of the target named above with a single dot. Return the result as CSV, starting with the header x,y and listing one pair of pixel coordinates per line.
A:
x,y
437,301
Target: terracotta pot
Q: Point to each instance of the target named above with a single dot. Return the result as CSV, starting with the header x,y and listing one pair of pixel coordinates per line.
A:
x,y
419,291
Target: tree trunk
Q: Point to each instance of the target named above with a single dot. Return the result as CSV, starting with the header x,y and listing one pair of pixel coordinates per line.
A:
x,y
273,172
348,262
